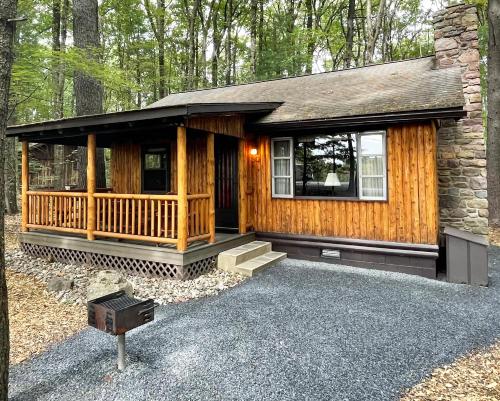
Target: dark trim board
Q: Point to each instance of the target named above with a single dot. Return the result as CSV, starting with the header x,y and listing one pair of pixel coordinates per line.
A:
x,y
416,259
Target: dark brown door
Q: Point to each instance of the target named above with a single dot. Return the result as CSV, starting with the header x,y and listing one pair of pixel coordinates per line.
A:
x,y
226,183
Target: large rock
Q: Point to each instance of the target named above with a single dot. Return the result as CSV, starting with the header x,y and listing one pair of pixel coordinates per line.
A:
x,y
106,282
57,284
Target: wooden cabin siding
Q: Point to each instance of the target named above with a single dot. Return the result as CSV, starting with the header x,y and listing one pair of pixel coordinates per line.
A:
x,y
126,172
126,168
196,163
232,125
410,213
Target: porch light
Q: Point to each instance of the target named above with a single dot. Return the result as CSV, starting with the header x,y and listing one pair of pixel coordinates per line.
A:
x,y
253,151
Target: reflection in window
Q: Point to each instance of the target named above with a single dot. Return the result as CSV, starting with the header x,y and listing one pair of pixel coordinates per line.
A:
x,y
325,165
155,174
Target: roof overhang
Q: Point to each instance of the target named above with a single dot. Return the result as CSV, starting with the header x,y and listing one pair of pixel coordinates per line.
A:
x,y
356,121
111,122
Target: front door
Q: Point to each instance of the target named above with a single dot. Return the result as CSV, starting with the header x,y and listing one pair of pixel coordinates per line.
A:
x,y
226,183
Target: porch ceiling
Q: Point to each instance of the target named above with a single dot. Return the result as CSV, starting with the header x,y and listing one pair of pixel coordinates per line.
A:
x,y
108,126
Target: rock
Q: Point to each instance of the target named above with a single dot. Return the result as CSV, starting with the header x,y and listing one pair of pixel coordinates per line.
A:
x,y
56,284
106,282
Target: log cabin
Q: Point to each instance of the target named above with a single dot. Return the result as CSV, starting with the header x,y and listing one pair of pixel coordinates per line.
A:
x,y
363,166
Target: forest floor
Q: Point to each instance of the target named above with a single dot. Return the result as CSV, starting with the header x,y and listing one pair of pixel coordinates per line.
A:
x,y
37,319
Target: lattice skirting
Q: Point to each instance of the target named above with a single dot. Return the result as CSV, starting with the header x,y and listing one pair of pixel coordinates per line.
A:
x,y
137,267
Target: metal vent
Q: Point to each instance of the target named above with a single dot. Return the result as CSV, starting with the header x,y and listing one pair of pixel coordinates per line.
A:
x,y
330,254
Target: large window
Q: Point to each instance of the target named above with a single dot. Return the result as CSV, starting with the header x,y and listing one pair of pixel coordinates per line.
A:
x,y
326,165
155,170
346,165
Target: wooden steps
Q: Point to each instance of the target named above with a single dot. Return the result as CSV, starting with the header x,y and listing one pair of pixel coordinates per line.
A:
x,y
249,259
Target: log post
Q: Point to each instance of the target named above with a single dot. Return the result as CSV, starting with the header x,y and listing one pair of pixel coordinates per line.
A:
x,y
242,179
91,214
211,185
24,185
182,211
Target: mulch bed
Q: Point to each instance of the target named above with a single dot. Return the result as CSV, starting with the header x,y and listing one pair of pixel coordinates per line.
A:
x,y
37,320
474,377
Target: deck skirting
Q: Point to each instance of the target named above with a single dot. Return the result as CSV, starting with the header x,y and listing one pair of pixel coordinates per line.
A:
x,y
142,260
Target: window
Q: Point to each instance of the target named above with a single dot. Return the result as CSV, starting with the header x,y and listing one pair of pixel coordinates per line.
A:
x,y
325,165
340,165
372,163
155,170
281,155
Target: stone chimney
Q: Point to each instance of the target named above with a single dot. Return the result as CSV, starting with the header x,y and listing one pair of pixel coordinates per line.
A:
x,y
461,144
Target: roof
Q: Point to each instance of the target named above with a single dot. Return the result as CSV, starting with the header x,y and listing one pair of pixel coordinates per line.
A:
x,y
397,87
78,126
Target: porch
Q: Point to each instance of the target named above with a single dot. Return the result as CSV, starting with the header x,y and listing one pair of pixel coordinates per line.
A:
x,y
180,214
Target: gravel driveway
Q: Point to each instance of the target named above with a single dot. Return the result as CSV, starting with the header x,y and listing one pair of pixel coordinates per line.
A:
x,y
299,331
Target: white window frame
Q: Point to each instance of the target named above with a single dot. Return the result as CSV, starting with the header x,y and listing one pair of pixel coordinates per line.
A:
x,y
360,167
291,176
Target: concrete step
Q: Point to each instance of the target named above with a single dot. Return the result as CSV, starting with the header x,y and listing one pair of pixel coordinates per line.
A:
x,y
227,260
255,265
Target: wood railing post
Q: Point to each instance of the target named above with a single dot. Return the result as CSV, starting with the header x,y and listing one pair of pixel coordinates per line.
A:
x,y
24,185
182,212
211,185
242,179
91,214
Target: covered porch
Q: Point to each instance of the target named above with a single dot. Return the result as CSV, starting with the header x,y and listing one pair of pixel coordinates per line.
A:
x,y
176,218
203,170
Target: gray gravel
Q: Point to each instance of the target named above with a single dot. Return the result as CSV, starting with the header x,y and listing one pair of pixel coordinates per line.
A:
x,y
299,331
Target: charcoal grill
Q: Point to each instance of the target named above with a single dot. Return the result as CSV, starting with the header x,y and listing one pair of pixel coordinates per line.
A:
x,y
117,313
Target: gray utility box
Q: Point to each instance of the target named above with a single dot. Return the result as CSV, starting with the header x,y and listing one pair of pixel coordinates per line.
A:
x,y
466,257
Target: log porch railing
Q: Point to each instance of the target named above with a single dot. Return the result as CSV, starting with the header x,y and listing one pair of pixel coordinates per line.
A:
x,y
58,211
151,218
173,219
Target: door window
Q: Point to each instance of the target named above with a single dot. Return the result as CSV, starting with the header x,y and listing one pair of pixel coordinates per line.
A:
x,y
155,170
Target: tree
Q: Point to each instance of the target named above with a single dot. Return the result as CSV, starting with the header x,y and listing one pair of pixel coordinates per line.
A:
x,y
349,33
373,31
88,90
493,150
8,9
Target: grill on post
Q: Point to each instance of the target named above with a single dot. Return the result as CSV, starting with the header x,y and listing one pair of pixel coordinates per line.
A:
x,y
118,313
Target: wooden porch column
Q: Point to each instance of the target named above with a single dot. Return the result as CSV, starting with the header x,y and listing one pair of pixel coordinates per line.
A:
x,y
24,185
182,210
91,150
242,179
211,185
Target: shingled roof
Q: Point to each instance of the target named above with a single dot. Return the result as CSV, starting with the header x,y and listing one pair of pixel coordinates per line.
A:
x,y
405,86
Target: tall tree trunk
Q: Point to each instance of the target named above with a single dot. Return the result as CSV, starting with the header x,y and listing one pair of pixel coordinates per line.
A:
x,y
88,90
192,43
350,33
161,47
373,31
8,9
217,37
310,36
229,28
493,152
253,37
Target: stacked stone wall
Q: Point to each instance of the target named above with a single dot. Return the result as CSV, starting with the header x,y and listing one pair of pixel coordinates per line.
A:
x,y
461,144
